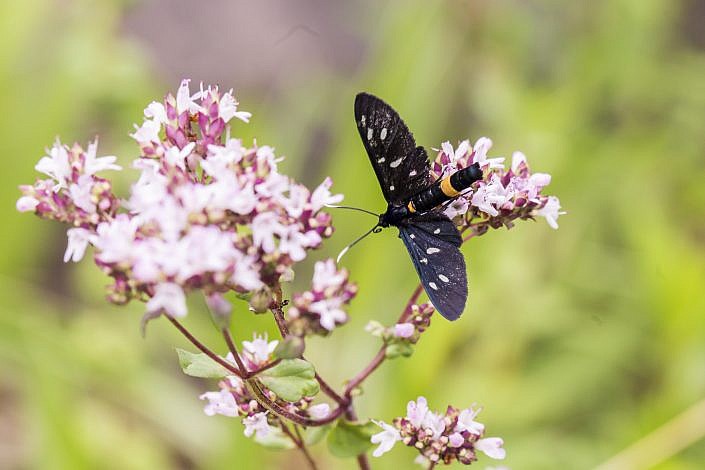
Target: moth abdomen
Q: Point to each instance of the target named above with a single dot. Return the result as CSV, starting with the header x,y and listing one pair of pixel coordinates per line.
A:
x,y
445,189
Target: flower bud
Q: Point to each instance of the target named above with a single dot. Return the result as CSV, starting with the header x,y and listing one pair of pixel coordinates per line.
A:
x,y
261,300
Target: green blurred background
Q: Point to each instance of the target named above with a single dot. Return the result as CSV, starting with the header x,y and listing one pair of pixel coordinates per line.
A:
x,y
579,342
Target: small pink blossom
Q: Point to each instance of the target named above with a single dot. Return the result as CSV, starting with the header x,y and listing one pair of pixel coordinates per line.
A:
x,y
386,439
492,447
221,403
78,242
168,298
27,204
404,330
257,424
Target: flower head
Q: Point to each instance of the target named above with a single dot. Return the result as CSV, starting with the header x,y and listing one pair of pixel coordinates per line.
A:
x,y
451,436
502,195
320,310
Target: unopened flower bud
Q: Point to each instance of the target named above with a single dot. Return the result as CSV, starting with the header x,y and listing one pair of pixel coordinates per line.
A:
x,y
261,300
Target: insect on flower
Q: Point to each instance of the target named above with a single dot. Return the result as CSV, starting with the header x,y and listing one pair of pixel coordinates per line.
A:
x,y
415,203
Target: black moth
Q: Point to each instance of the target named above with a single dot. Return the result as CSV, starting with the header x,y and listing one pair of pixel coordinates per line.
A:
x,y
414,202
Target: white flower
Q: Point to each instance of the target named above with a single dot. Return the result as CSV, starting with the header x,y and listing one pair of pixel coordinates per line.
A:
x,y
184,100
416,411
176,157
26,204
221,403
265,226
481,147
456,154
330,312
326,274
168,297
245,273
56,165
78,242
260,348
435,422
466,422
115,239
386,439
455,440
551,211
81,194
294,243
227,108
322,197
221,156
492,447
298,198
257,424
319,411
518,158
156,111
93,164
404,330
457,207
147,132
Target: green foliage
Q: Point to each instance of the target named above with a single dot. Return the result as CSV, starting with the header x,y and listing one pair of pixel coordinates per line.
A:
x,y
200,365
348,439
577,343
291,379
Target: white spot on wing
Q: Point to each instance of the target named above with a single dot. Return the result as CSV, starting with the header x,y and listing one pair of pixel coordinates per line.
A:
x,y
369,133
437,231
383,134
443,278
380,160
433,285
412,236
391,188
362,120
396,162
413,173
432,250
424,260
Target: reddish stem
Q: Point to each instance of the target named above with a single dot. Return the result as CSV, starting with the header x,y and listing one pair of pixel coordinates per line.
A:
x,y
300,444
203,348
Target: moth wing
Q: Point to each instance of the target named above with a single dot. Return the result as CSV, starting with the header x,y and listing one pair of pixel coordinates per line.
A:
x,y
440,266
401,167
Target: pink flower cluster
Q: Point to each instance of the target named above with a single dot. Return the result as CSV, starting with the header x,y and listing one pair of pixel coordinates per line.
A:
x,y
440,438
206,213
502,196
235,400
320,310
408,331
72,194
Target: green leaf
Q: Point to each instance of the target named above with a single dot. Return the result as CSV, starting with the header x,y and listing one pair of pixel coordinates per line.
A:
x,y
200,365
398,349
315,434
348,439
275,440
291,379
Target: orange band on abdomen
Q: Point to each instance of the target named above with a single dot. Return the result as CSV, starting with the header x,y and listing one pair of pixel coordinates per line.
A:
x,y
411,207
448,188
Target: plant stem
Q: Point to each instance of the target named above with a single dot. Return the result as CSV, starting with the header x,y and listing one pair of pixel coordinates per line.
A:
x,y
328,390
203,348
362,461
233,350
300,444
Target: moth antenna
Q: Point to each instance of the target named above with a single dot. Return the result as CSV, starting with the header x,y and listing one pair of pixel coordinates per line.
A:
x,y
375,229
352,209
